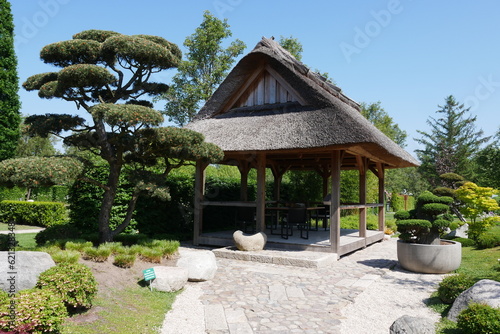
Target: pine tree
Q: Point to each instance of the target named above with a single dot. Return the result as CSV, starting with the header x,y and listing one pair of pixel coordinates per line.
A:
x,y
207,64
9,100
451,144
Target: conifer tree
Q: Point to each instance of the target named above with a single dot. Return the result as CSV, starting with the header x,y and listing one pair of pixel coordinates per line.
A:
x,y
9,100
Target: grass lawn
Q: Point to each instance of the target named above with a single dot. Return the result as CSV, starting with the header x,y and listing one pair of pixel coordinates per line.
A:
x,y
132,310
26,241
5,227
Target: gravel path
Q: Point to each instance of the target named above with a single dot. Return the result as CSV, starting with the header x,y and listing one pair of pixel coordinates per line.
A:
x,y
362,293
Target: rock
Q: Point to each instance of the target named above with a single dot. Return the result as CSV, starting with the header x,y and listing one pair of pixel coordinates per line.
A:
x,y
485,291
460,232
255,242
412,325
201,265
27,267
169,279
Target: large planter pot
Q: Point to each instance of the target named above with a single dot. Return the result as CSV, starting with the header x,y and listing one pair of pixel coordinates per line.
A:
x,y
430,259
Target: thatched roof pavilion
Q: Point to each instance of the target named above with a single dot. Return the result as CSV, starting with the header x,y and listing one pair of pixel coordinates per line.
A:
x,y
274,112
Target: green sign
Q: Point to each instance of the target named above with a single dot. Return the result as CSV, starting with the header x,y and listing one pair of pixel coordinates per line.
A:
x,y
149,274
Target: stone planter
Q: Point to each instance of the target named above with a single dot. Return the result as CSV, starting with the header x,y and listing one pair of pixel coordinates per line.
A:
x,y
430,259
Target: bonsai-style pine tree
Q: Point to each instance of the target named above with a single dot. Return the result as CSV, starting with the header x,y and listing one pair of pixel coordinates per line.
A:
x,y
427,221
107,75
9,100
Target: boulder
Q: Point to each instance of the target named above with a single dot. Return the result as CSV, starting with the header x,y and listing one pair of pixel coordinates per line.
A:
x,y
254,242
412,325
201,265
485,291
169,279
26,267
460,232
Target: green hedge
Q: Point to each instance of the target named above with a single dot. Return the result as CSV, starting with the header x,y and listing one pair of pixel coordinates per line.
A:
x,y
43,214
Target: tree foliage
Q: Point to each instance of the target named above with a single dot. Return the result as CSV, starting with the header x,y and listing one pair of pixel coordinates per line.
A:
x,y
9,100
207,64
476,200
487,164
451,143
108,75
385,123
292,45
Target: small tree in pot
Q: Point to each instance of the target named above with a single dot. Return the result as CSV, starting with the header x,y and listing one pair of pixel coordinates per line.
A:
x,y
427,221
420,248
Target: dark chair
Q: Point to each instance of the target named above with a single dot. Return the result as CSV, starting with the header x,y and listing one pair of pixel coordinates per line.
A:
x,y
245,219
295,217
322,214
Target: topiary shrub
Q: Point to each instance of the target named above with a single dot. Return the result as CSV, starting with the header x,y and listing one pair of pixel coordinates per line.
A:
x,y
74,283
479,319
44,214
59,232
402,215
37,311
427,221
452,286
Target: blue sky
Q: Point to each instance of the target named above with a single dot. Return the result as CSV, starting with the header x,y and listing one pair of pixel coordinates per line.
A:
x,y
407,54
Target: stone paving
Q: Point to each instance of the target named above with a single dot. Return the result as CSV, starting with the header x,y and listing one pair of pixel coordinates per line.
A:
x,y
248,297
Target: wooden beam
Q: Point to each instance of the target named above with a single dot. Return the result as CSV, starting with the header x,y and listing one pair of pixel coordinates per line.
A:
x,y
244,168
362,164
336,162
381,196
261,192
199,194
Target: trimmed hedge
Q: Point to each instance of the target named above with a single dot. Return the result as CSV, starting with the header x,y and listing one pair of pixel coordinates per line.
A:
x,y
43,214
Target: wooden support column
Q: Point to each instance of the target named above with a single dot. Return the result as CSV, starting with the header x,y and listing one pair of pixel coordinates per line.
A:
x,y
261,192
335,201
362,167
381,196
244,168
324,172
278,172
199,194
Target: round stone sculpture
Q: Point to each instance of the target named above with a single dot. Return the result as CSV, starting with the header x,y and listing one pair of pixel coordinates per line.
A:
x,y
254,242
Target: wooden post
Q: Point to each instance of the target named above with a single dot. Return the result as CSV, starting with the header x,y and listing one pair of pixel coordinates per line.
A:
x,y
362,164
381,196
261,192
335,202
199,194
244,168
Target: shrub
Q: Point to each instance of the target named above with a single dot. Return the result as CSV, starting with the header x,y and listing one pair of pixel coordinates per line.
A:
x,y
452,286
402,215
78,246
479,319
124,260
465,242
412,229
57,233
7,242
114,247
489,239
73,282
167,247
99,254
44,214
40,310
153,255
65,256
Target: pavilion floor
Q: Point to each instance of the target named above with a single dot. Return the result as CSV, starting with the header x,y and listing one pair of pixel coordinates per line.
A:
x,y
319,241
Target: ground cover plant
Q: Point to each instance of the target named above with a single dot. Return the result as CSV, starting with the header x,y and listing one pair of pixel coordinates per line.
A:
x,y
477,264
118,296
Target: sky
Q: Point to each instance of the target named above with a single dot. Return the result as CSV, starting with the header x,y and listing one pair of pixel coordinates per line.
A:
x,y
408,54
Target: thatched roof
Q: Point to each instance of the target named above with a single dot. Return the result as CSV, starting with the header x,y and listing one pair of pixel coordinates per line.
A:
x,y
272,102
